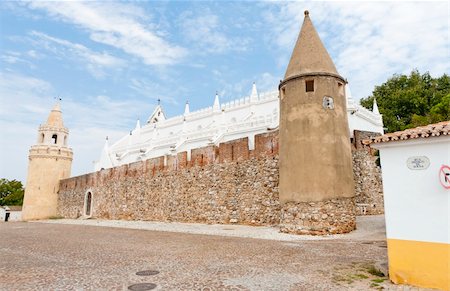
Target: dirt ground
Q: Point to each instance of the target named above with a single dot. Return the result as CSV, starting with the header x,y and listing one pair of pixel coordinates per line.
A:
x,y
57,256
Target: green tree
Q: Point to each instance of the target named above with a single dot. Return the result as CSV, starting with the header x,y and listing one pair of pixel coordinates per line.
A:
x,y
410,101
11,192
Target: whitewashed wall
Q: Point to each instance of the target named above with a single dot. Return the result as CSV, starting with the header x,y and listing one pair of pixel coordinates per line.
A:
x,y
13,216
417,206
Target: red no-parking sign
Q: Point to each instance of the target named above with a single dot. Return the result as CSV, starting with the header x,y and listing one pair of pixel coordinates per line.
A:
x,y
444,176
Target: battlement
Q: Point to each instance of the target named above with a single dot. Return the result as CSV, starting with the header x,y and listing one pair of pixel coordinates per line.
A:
x,y
265,144
50,151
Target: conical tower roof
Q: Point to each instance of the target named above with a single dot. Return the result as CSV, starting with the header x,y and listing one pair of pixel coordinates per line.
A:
x,y
55,117
310,55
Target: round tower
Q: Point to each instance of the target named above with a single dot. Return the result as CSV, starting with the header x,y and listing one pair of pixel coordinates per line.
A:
x,y
50,160
316,175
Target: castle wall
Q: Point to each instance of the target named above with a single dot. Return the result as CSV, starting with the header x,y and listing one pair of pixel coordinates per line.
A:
x,y
224,184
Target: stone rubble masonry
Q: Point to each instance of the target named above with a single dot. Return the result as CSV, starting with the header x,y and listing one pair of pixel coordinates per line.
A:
x,y
225,184
369,186
319,218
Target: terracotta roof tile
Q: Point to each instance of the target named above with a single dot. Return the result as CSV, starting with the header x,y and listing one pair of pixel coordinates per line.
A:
x,y
436,129
12,208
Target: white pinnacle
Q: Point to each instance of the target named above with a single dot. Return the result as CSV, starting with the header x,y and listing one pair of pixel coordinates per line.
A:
x,y
138,126
186,108
216,106
375,107
254,94
348,94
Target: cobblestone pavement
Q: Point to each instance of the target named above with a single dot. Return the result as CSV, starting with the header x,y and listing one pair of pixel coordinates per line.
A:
x,y
43,256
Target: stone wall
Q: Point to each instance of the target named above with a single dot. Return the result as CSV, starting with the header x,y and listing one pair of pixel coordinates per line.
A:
x,y
318,218
224,184
368,180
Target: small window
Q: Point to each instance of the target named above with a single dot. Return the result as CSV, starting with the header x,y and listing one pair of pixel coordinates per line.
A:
x,y
65,140
340,88
54,139
309,86
42,138
282,93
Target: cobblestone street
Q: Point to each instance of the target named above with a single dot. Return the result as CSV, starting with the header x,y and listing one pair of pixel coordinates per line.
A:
x,y
43,256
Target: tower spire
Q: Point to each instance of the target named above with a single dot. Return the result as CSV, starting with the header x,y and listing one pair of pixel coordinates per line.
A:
x,y
309,55
315,151
55,117
50,160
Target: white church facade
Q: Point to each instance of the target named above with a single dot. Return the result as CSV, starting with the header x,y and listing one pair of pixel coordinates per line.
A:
x,y
245,117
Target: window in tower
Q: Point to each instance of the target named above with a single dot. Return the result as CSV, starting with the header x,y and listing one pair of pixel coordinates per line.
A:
x,y
65,140
340,88
309,85
42,138
54,139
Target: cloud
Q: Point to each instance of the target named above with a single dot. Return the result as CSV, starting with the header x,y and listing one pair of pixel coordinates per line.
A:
x,y
15,92
369,41
122,26
157,90
13,57
203,30
18,120
265,82
94,62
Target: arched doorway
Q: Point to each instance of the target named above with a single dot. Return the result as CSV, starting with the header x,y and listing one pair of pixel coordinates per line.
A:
x,y
88,204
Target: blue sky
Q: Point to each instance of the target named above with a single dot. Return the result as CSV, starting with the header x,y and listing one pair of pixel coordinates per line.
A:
x,y
111,61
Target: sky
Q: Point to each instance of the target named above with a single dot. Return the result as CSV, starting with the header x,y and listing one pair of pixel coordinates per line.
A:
x,y
111,61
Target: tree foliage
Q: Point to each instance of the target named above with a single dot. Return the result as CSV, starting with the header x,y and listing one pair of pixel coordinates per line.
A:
x,y
11,192
411,101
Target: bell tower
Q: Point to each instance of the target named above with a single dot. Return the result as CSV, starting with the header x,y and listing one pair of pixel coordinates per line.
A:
x,y
50,160
316,176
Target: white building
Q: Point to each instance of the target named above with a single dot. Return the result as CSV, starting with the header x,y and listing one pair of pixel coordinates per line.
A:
x,y
10,213
416,181
245,117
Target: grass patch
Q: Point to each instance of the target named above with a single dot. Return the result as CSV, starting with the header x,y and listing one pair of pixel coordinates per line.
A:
x,y
361,276
374,271
56,217
378,280
342,279
376,286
